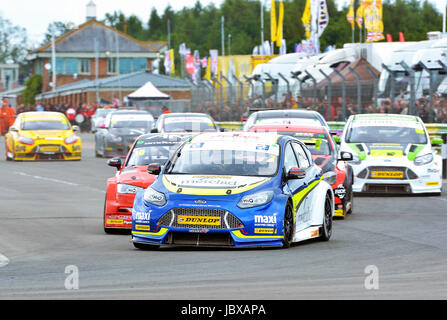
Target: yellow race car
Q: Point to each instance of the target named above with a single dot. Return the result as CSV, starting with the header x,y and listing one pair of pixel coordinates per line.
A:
x,y
42,136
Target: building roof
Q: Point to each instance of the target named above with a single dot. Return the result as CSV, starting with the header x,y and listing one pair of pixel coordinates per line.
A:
x,y
130,81
82,39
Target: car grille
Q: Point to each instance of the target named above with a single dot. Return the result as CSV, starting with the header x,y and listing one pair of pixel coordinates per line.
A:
x,y
227,220
199,239
387,188
408,174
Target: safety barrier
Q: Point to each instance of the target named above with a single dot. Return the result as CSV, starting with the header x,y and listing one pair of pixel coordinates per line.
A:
x,y
435,130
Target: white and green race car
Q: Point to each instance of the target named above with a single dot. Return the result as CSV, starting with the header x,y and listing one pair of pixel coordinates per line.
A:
x,y
392,154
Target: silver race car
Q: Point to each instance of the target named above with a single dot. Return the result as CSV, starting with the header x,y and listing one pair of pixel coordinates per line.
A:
x,y
116,136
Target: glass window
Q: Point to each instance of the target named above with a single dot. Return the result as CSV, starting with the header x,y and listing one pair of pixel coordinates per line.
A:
x,y
60,65
71,66
303,161
125,65
289,159
84,66
139,64
111,65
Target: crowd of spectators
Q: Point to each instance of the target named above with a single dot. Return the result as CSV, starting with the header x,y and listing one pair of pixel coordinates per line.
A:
x,y
237,112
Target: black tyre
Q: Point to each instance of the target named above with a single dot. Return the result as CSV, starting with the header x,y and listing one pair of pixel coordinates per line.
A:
x,y
328,219
106,230
288,226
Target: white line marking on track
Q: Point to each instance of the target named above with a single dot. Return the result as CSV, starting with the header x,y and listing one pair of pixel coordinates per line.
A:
x,y
4,261
57,181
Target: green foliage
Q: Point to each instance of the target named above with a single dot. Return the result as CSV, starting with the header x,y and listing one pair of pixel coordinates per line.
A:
x,y
200,26
33,86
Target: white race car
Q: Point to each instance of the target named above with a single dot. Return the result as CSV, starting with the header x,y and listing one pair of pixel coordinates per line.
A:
x,y
392,154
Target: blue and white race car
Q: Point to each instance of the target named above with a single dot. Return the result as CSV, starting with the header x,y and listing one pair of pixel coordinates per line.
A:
x,y
235,189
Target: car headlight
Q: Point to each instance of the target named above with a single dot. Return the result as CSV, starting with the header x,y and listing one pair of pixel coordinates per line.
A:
x,y
255,200
330,177
25,140
127,189
425,159
154,197
71,140
114,138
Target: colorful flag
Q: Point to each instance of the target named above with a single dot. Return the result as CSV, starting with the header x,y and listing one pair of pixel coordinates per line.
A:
x,y
273,26
350,16
172,58
323,17
279,33
306,19
360,14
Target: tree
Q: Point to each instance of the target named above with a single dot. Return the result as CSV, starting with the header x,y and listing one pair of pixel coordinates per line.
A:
x,y
13,42
58,28
33,86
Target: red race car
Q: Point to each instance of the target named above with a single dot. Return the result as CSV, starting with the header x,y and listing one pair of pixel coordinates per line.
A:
x,y
325,154
133,176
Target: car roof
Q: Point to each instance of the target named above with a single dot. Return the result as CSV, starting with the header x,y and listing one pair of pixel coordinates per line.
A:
x,y
386,116
290,128
185,114
43,114
163,138
285,112
238,137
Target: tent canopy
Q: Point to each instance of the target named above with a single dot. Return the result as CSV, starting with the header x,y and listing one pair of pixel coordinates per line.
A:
x,y
359,67
148,92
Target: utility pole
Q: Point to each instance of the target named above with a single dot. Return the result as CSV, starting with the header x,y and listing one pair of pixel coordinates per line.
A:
x,y
223,35
53,60
169,34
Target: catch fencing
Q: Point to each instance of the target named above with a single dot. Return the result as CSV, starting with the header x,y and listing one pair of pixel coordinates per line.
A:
x,y
348,90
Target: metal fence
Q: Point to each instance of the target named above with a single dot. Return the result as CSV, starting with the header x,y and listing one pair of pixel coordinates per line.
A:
x,y
418,91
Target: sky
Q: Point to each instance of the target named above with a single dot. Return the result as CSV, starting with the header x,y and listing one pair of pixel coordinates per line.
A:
x,y
35,16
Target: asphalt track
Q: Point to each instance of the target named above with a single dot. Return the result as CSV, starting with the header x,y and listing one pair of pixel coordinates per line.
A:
x,y
51,219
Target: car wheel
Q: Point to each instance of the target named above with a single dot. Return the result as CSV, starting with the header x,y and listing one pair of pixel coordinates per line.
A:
x,y
351,201
288,226
106,230
327,221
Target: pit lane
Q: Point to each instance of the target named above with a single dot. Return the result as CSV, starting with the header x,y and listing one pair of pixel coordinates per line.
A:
x,y
52,218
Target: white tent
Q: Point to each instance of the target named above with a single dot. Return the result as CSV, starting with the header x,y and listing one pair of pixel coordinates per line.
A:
x,y
148,92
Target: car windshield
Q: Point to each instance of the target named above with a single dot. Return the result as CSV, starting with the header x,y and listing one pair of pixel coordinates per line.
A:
x,y
317,144
188,125
132,123
386,134
225,162
146,155
56,124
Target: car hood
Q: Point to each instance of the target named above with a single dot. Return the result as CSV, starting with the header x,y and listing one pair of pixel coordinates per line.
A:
x,y
211,184
387,150
136,176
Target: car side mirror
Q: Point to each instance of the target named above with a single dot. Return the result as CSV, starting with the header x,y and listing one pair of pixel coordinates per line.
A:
x,y
76,128
102,126
154,168
115,162
437,142
346,156
296,173
154,130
